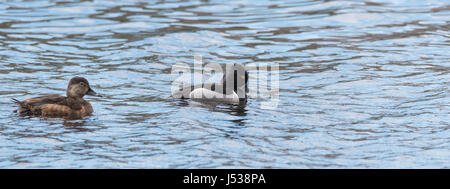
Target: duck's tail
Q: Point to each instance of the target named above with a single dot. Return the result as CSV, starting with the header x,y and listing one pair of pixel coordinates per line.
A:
x,y
17,101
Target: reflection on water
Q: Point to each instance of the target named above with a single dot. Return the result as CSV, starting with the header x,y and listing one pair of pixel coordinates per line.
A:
x,y
362,83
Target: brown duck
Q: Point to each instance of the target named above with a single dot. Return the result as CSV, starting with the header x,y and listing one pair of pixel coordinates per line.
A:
x,y
73,105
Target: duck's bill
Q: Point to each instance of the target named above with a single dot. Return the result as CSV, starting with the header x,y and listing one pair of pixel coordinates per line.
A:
x,y
93,93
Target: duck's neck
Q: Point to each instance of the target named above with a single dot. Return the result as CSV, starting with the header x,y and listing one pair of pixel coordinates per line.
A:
x,y
75,99
75,103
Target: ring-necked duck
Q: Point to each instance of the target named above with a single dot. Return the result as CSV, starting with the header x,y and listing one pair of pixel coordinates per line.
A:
x,y
232,88
60,106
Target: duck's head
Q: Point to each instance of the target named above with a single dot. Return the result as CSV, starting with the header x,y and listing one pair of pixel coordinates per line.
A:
x,y
236,79
78,87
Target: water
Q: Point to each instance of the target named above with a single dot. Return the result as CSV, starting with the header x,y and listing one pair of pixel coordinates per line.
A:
x,y
363,84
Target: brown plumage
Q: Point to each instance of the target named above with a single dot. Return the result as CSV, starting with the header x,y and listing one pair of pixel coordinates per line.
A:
x,y
73,105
